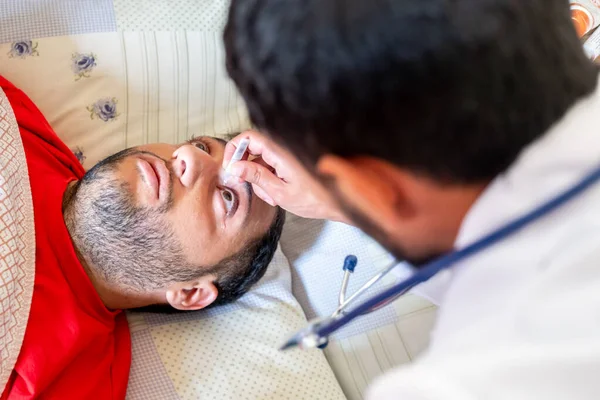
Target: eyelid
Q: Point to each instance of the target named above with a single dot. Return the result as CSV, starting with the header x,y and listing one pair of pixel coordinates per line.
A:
x,y
201,139
236,201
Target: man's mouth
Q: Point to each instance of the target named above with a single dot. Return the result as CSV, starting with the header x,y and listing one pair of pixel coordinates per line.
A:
x,y
155,174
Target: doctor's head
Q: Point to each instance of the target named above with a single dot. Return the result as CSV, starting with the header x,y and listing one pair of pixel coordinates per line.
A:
x,y
407,109
157,224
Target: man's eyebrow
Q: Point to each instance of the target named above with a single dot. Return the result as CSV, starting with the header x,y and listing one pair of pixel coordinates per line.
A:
x,y
209,138
248,190
220,140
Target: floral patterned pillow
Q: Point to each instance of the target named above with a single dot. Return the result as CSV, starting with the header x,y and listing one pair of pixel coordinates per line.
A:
x,y
108,91
83,65
23,49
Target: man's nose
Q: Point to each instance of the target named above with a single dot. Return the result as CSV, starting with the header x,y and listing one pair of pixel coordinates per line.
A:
x,y
190,163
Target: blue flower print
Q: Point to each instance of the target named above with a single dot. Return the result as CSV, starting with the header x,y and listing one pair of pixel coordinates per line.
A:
x,y
79,154
105,109
83,64
23,49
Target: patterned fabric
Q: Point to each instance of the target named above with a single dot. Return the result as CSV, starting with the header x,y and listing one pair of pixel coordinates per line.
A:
x,y
47,18
23,49
148,379
105,109
83,65
107,91
156,15
230,352
22,19
17,243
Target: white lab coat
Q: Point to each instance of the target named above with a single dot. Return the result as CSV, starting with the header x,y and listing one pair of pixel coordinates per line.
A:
x,y
522,319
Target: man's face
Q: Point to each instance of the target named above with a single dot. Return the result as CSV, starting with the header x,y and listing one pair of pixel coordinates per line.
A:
x,y
178,189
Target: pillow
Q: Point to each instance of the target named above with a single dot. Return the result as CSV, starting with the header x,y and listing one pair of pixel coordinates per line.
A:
x,y
103,92
17,241
230,352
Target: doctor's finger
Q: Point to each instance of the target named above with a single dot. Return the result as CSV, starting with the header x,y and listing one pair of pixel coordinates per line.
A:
x,y
260,176
255,147
259,160
259,146
263,195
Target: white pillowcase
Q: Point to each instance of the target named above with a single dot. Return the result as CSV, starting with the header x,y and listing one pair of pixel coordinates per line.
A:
x,y
230,352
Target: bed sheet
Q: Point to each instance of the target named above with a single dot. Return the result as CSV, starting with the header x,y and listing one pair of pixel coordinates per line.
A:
x,y
35,19
373,344
229,352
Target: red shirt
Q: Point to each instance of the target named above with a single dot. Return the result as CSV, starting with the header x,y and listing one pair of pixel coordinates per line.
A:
x,y
74,347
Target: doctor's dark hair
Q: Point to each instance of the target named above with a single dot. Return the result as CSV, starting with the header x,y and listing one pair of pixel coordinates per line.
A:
x,y
454,89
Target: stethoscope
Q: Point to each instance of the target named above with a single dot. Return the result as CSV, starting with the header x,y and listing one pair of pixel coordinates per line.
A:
x,y
317,332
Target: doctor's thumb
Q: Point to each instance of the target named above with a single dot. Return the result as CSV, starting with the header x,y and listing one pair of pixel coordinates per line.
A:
x,y
266,184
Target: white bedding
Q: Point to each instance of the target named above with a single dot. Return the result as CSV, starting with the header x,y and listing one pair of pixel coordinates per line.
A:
x,y
375,343
317,250
229,352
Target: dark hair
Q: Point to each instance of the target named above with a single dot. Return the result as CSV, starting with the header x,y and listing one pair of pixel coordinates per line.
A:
x,y
238,273
454,89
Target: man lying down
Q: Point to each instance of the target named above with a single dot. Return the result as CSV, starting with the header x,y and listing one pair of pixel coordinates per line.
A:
x,y
149,225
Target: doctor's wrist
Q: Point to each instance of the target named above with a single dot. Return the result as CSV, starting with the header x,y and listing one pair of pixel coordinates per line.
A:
x,y
337,215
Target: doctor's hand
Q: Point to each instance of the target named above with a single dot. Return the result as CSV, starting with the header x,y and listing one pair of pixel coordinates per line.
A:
x,y
279,178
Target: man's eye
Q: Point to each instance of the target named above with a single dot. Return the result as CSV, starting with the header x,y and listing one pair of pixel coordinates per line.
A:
x,y
228,199
202,147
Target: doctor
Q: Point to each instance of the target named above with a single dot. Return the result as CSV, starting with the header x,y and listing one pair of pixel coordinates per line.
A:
x,y
429,123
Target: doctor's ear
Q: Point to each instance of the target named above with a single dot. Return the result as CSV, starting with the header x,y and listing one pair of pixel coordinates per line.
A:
x,y
376,188
193,295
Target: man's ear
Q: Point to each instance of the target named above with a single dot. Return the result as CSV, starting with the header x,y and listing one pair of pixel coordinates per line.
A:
x,y
192,295
376,188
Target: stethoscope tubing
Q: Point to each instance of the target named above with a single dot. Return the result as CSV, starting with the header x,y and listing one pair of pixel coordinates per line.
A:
x,y
448,260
